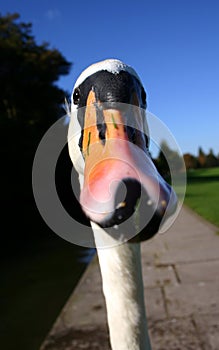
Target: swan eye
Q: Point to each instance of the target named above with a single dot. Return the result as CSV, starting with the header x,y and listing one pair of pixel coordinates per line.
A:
x,y
76,96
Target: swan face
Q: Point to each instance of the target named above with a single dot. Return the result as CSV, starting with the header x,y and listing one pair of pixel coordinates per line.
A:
x,y
110,152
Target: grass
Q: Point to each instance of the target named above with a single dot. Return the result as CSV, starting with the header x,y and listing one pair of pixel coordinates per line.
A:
x,y
202,194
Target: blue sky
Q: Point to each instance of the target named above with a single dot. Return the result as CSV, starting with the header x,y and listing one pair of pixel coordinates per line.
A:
x,y
172,44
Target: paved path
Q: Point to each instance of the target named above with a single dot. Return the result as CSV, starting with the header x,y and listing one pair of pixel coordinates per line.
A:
x,y
181,278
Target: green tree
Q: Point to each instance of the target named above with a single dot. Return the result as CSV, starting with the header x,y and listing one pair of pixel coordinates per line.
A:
x,y
28,73
30,101
168,158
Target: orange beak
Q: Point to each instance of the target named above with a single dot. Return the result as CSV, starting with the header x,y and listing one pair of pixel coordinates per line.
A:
x,y
117,172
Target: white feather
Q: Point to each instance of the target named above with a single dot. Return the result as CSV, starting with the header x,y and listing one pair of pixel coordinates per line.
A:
x,y
111,65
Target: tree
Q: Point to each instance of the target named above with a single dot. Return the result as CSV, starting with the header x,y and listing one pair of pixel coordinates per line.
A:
x,y
30,101
211,159
168,158
191,162
28,73
201,158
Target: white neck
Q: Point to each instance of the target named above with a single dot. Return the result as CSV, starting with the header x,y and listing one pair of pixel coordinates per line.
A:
x,y
124,293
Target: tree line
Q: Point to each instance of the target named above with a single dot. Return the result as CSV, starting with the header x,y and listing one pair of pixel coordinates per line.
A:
x,y
202,160
30,102
169,161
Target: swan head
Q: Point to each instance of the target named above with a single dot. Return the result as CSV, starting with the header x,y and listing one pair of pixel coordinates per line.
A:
x,y
108,144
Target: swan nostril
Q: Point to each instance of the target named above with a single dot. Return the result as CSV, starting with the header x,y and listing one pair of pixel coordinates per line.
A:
x,y
134,210
127,198
130,199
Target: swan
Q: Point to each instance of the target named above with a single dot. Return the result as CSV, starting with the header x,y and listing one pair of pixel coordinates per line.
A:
x,y
121,192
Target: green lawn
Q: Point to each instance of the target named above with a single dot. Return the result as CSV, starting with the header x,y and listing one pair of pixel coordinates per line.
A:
x,y
202,194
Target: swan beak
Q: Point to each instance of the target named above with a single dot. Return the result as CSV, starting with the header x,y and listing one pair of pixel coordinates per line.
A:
x,y
118,173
